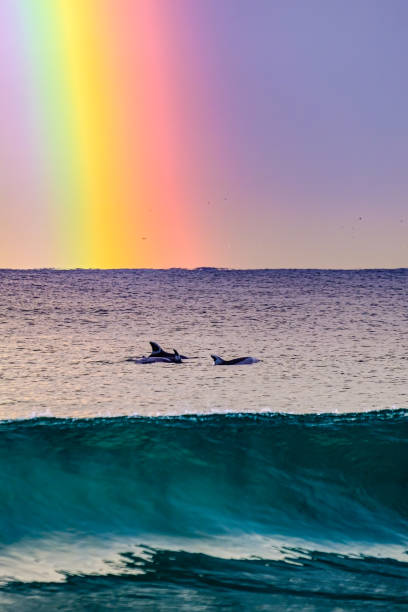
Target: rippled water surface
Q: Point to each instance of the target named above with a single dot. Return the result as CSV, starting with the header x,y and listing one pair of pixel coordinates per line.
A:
x,y
329,341
203,510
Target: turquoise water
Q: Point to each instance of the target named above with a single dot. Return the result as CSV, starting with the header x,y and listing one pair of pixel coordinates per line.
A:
x,y
281,485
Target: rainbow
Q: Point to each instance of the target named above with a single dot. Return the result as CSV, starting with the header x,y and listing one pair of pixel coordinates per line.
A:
x,y
93,118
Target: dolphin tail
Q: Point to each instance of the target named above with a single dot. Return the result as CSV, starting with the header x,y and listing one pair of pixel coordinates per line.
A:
x,y
177,356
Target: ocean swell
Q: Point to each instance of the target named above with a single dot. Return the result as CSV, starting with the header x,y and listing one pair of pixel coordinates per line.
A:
x,y
319,478
185,512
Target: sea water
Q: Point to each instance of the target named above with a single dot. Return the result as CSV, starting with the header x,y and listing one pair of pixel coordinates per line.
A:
x,y
279,485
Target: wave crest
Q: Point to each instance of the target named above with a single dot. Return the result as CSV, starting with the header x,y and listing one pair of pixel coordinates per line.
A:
x,y
318,478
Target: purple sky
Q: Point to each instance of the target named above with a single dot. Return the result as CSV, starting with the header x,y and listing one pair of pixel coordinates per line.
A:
x,y
290,131
313,97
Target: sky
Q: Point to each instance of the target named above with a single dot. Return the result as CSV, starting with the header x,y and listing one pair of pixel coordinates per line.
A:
x,y
228,133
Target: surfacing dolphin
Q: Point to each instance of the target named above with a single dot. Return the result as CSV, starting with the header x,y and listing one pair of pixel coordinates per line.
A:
x,y
174,358
237,361
157,351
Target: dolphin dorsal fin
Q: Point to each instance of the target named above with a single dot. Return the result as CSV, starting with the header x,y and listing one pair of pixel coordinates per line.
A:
x,y
217,360
156,348
177,357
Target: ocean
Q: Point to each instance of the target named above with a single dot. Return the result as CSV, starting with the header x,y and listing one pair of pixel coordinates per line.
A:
x,y
281,485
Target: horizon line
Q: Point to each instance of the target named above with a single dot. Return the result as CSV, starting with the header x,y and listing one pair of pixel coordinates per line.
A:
x,y
202,268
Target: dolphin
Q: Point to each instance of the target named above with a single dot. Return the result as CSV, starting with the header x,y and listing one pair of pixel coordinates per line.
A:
x,y
157,351
237,361
174,358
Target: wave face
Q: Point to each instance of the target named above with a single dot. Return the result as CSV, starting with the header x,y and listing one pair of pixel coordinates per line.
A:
x,y
290,511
